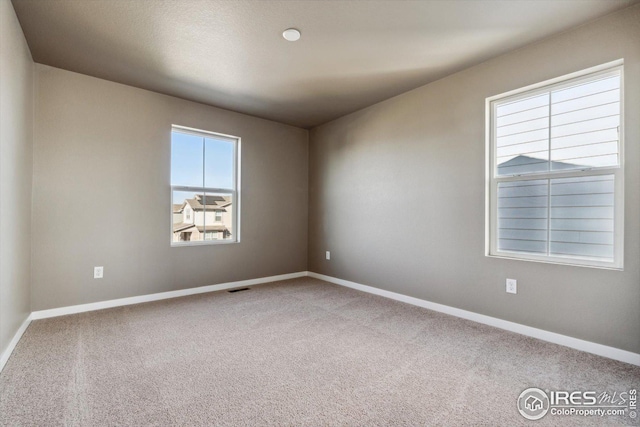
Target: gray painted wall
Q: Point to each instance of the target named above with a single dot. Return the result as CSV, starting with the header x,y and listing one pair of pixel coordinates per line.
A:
x,y
397,194
101,194
16,137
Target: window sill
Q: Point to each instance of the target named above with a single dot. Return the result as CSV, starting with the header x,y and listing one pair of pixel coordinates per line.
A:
x,y
202,243
558,261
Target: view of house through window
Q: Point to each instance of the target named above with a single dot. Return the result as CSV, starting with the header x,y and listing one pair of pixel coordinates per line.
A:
x,y
556,172
203,187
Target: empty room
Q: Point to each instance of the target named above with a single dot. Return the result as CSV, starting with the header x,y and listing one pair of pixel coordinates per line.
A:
x,y
319,213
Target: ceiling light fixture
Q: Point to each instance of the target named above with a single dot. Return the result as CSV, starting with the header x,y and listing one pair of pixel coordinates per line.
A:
x,y
291,34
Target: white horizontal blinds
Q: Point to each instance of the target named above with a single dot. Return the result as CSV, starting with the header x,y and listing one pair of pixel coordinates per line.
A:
x,y
582,217
559,217
575,126
585,122
556,182
523,216
522,135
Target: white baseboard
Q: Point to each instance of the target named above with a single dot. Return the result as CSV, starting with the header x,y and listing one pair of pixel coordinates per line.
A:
x,y
4,358
62,311
578,344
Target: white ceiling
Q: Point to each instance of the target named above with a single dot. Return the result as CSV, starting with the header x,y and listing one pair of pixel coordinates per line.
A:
x,y
231,53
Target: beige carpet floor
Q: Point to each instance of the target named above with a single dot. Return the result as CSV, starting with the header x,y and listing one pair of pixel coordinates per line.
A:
x,y
296,353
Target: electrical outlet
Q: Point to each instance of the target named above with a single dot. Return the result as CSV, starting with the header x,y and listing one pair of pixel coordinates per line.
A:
x,y
328,255
512,286
98,272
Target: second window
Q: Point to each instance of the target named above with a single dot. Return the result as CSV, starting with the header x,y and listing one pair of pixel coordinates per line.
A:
x,y
204,176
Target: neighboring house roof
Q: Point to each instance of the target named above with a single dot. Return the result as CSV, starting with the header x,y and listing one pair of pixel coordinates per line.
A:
x,y
211,203
201,228
181,226
177,208
210,200
522,160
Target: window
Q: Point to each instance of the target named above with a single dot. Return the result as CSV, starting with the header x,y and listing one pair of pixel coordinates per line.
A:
x,y
555,170
204,184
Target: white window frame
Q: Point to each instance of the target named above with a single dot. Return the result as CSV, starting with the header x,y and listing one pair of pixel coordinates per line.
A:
x,y
492,180
233,192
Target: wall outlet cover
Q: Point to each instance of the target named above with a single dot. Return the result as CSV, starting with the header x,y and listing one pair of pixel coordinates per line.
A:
x,y
512,286
98,272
